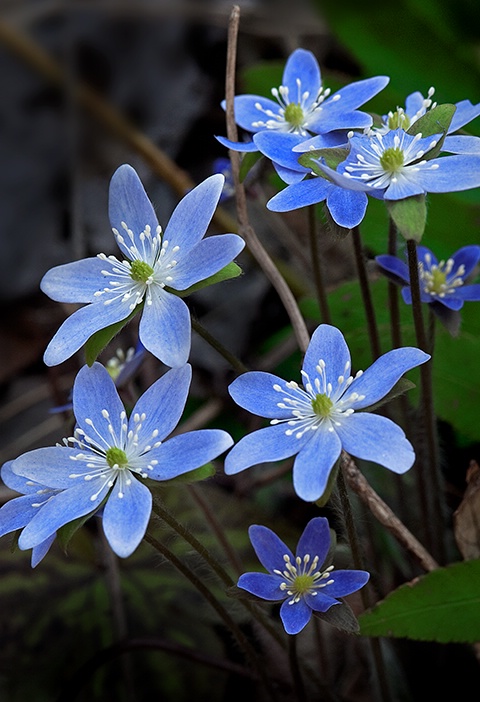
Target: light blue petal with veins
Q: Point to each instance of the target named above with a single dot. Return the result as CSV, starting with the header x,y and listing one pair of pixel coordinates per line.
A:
x,y
327,343
39,552
165,328
270,549
254,391
346,206
49,466
372,437
95,391
261,446
314,463
186,452
394,265
192,215
345,582
461,144
75,282
277,146
315,540
302,66
297,195
454,173
17,512
208,257
241,146
464,114
125,519
129,203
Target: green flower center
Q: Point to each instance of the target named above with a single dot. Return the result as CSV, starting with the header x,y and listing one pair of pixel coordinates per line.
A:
x,y
116,457
392,160
302,584
437,282
294,114
322,405
140,271
398,120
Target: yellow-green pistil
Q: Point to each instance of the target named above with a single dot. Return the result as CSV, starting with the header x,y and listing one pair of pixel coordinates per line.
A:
x,y
322,405
116,457
294,114
140,271
392,160
398,120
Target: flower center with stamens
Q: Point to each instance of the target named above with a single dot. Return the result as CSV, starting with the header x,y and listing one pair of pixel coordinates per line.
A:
x,y
438,280
398,120
392,160
303,577
116,458
140,271
294,114
322,405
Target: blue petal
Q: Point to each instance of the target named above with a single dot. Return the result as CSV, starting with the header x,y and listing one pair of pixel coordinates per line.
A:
x,y
261,446
192,215
80,326
293,197
382,375
59,510
315,540
93,392
208,257
163,403
277,146
323,141
269,548
346,181
327,344
129,203
39,552
125,519
461,144
241,146
464,113
372,437
469,293
17,512
262,585
165,328
188,451
320,602
302,66
424,296
74,282
346,581
288,175
314,463
468,257
394,265
414,103
49,466
346,206
254,391
295,617
454,173
247,112
426,257
17,482
404,186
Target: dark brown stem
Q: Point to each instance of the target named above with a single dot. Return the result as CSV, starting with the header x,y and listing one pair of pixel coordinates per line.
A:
x,y
317,267
366,294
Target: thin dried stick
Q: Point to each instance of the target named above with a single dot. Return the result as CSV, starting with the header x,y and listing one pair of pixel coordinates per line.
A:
x,y
245,229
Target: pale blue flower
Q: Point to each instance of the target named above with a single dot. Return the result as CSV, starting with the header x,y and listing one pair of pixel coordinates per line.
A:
x,y
155,266
302,106
105,463
318,419
305,582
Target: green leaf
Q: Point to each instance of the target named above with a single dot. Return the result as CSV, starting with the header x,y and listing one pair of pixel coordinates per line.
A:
x,y
98,341
231,270
442,606
435,121
194,476
248,162
409,215
332,158
400,388
331,482
65,533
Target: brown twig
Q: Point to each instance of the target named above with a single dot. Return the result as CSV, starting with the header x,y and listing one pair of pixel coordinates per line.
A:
x,y
382,512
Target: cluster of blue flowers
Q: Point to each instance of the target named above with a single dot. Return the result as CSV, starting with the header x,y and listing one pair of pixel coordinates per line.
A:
x,y
106,466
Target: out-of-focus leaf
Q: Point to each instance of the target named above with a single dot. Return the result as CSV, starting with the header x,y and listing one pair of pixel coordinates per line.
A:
x,y
98,341
409,215
231,270
441,606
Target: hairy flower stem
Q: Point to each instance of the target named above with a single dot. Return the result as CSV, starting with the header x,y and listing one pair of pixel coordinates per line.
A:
x,y
317,267
366,294
245,229
393,301
218,346
249,651
435,489
377,654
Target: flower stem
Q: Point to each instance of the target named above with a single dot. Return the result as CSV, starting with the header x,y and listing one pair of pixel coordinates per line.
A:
x,y
366,294
436,523
393,301
317,267
218,346
298,685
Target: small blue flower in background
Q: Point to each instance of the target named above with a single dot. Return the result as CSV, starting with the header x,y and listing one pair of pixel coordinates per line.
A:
x,y
441,282
155,264
104,464
314,422
223,166
301,105
301,581
19,511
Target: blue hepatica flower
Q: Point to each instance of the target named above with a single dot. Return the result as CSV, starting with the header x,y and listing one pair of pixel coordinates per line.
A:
x,y
441,282
155,266
395,165
416,105
19,511
301,105
302,581
314,421
106,461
